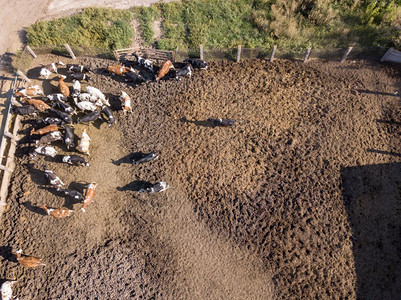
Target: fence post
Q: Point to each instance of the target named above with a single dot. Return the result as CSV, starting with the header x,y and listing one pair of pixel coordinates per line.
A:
x,y
307,53
23,76
201,51
238,53
273,53
346,54
70,51
31,51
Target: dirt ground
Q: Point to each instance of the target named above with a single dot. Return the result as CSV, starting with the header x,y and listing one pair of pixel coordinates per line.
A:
x,y
300,200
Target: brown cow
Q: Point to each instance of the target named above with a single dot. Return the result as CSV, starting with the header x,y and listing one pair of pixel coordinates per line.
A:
x,y
39,104
41,131
118,69
64,89
166,66
90,192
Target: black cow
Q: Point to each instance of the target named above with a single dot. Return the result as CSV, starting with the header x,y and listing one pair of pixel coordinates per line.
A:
x,y
144,158
69,137
62,115
64,107
222,122
72,193
109,114
92,116
24,110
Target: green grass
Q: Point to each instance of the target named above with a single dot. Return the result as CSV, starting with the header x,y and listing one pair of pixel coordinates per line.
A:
x,y
93,27
219,24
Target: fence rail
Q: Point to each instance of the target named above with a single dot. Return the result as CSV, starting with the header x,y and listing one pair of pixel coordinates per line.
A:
x,y
24,59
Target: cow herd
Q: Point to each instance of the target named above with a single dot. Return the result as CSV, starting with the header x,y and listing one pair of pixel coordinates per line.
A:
x,y
58,112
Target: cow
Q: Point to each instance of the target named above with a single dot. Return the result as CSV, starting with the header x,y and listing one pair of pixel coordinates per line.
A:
x,y
65,107
62,115
79,76
7,291
134,77
75,160
47,70
28,261
68,137
118,69
84,143
86,105
57,213
44,130
44,150
57,96
91,98
144,62
109,114
30,91
184,72
155,188
71,193
222,122
166,66
90,117
53,178
25,110
38,104
125,103
197,63
49,138
63,87
90,192
144,158
78,68
96,92
50,120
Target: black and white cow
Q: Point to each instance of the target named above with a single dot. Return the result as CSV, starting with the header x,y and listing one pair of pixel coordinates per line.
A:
x,y
78,68
68,137
79,76
72,194
75,160
184,72
197,63
47,70
144,62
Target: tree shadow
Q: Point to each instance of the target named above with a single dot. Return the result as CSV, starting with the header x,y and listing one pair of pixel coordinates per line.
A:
x,y
384,152
7,253
135,186
35,209
372,200
389,122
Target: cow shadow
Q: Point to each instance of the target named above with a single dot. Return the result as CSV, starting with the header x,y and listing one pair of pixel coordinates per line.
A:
x,y
24,150
202,123
378,93
384,152
35,73
135,186
372,200
127,159
38,177
7,253
50,86
35,209
388,122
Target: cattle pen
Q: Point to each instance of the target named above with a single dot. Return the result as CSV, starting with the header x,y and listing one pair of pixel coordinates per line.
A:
x,y
290,202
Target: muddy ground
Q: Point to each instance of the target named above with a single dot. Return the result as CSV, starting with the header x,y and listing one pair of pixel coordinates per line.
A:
x,y
300,200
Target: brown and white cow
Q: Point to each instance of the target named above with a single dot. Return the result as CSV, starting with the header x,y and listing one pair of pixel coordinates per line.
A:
x,y
90,192
49,128
166,66
39,104
64,89
57,213
117,69
125,103
30,91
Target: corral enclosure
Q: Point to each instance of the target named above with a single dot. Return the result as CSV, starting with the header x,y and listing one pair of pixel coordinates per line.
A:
x,y
300,200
